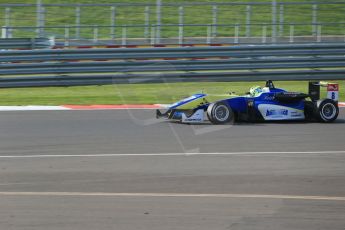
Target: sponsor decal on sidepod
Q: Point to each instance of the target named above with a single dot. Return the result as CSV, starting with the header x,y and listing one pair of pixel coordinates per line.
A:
x,y
273,112
277,112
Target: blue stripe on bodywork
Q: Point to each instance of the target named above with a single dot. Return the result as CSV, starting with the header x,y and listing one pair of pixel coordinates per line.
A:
x,y
187,100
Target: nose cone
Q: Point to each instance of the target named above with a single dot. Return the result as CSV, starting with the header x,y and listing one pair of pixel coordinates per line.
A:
x,y
188,103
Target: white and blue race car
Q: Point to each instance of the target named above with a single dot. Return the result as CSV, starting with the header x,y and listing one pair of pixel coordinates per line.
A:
x,y
260,104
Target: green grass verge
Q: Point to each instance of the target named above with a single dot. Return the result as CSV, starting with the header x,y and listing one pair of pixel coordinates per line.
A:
x,y
133,94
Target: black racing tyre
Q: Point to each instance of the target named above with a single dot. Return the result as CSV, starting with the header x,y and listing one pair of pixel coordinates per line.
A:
x,y
309,110
327,110
220,113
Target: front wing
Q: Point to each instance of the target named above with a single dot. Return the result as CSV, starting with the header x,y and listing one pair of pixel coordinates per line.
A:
x,y
187,116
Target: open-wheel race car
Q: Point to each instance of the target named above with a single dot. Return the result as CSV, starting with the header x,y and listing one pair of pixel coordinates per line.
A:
x,y
259,104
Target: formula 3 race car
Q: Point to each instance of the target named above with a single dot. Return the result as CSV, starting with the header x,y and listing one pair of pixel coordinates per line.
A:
x,y
259,104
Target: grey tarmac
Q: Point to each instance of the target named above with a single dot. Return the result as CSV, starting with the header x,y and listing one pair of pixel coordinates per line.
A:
x,y
121,169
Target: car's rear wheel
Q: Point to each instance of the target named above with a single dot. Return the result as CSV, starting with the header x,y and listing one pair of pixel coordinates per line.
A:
x,y
220,113
327,110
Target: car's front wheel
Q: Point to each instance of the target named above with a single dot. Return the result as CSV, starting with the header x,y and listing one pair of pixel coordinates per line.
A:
x,y
220,113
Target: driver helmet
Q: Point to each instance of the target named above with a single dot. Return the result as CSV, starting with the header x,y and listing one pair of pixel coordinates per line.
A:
x,y
255,91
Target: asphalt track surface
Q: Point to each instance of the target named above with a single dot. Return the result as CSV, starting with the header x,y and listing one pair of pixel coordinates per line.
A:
x,y
121,169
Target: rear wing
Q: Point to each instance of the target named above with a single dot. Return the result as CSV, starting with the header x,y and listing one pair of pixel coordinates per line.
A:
x,y
332,90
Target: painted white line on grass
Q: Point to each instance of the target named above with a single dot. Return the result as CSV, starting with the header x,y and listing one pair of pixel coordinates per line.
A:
x,y
63,108
171,154
32,108
176,195
164,106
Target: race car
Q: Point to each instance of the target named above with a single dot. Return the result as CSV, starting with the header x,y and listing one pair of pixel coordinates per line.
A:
x,y
259,104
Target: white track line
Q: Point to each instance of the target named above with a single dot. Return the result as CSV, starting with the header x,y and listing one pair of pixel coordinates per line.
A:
x,y
170,154
181,195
